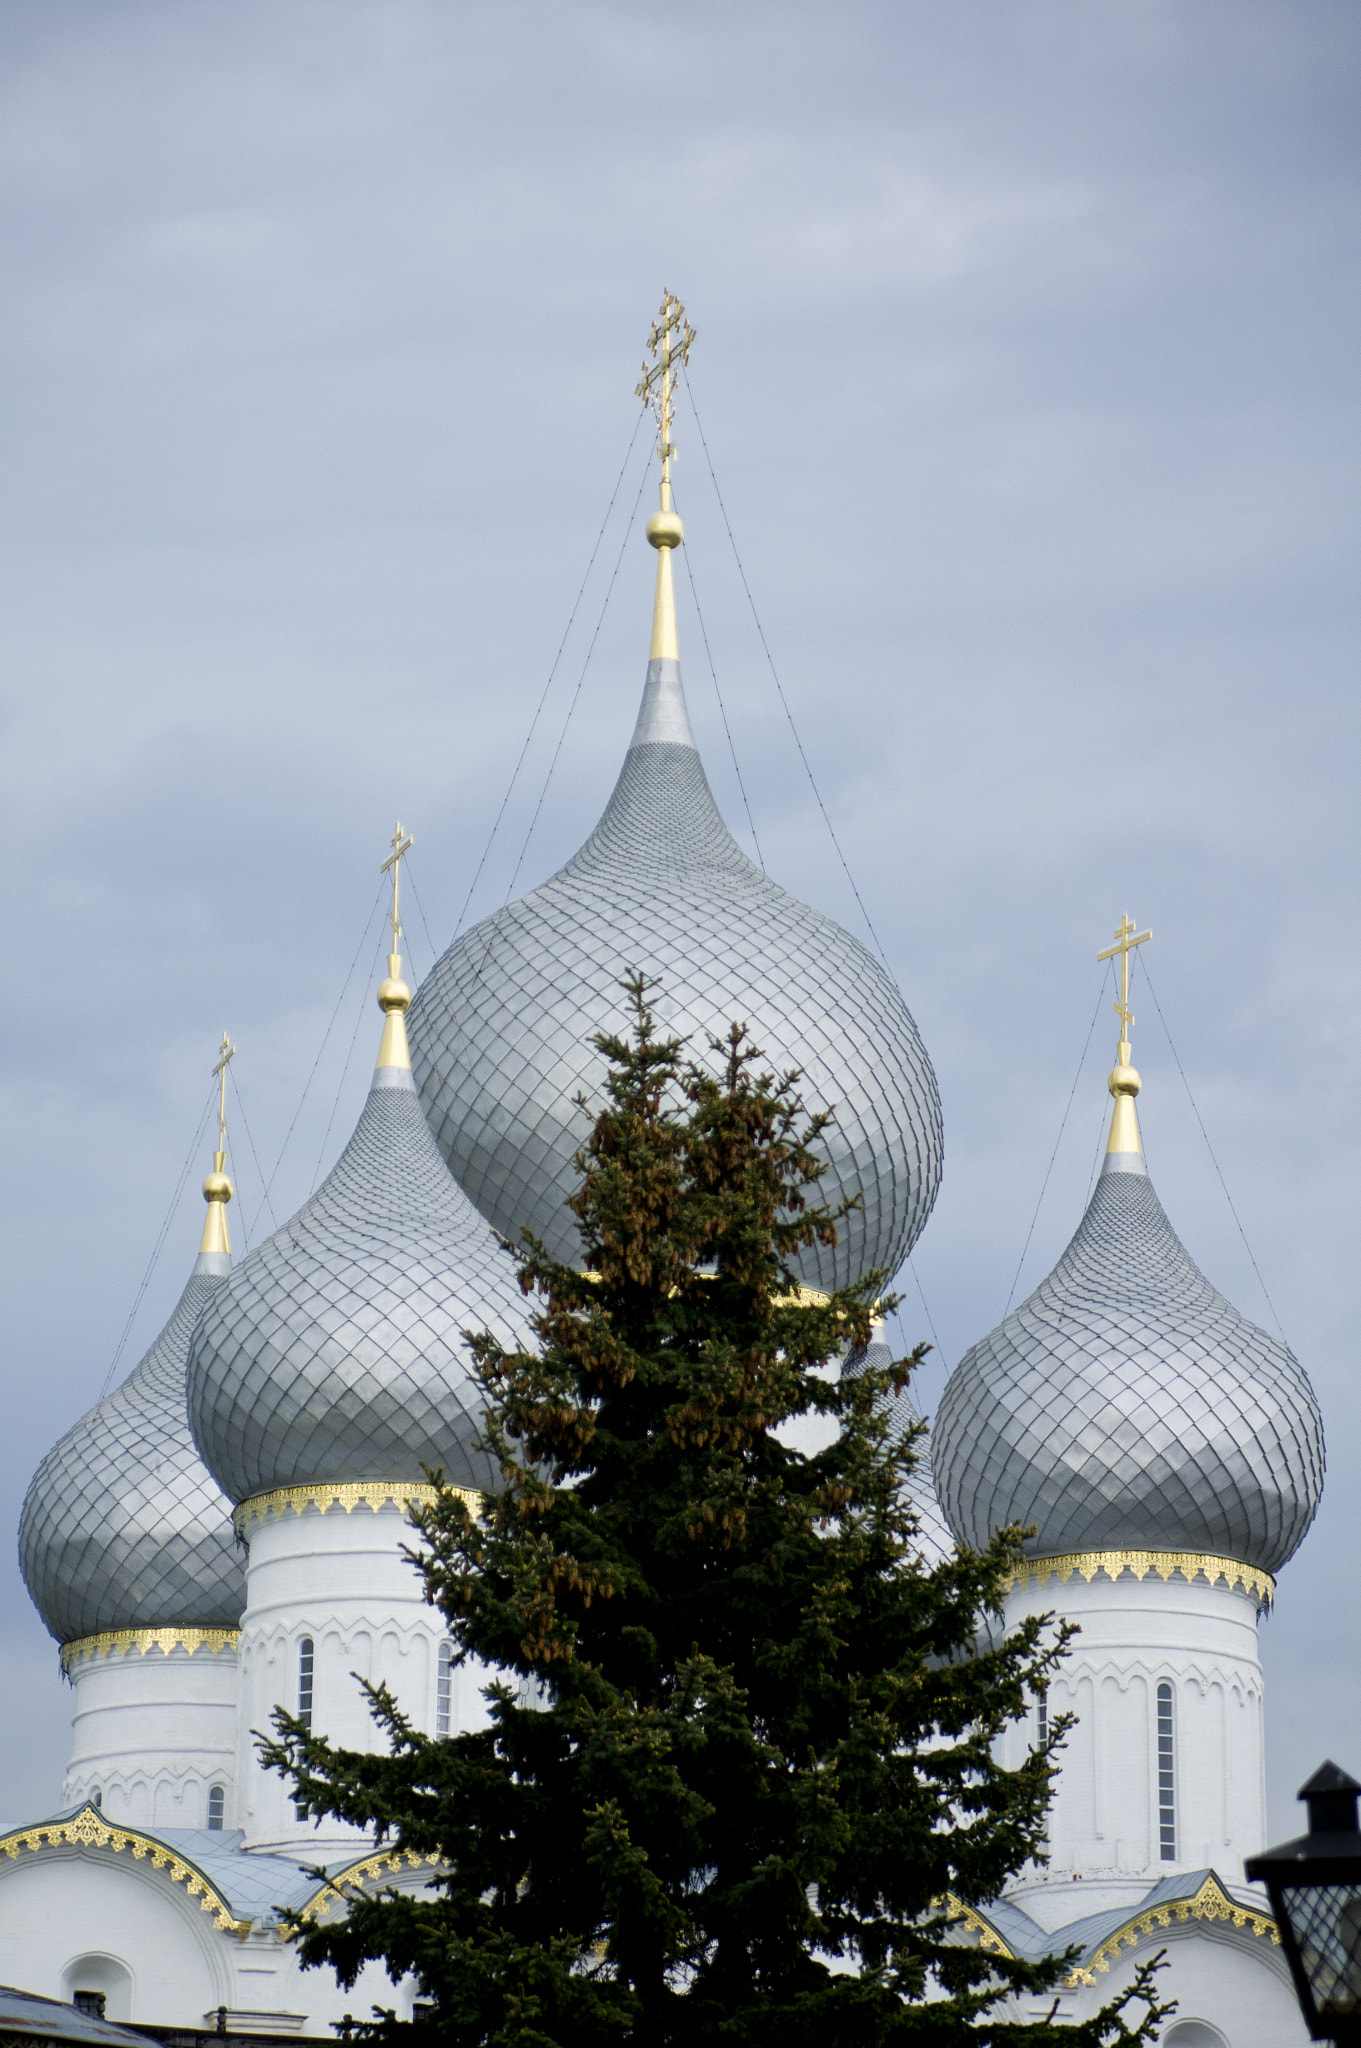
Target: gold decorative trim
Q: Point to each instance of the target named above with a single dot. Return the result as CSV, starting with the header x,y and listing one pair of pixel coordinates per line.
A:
x,y
1086,1564
123,1641
1211,1902
970,1917
331,1899
370,1493
89,1830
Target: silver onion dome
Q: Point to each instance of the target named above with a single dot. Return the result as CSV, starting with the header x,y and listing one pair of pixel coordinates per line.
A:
x,y
123,1527
336,1350
501,1028
1127,1404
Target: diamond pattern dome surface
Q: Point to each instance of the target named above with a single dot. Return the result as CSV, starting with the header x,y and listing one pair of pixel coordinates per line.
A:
x,y
1127,1404
501,1027
335,1351
123,1525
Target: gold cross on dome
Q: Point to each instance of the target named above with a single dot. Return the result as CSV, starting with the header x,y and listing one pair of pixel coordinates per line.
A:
x,y
1125,942
668,344
400,845
224,1060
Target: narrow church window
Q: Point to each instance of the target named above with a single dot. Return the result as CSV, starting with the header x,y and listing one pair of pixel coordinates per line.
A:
x,y
1167,1797
1042,1720
217,1800
305,1654
444,1689
97,1798
91,2002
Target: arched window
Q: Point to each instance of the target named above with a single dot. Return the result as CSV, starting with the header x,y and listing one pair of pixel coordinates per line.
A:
x,y
217,1801
444,1690
97,1798
1167,1783
306,1659
306,1654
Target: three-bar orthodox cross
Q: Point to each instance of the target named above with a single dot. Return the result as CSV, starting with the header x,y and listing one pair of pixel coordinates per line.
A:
x,y
400,844
224,1060
1125,942
669,345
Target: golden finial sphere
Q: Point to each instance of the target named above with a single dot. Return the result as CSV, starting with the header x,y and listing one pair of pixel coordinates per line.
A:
x,y
393,995
1124,1081
664,530
217,1188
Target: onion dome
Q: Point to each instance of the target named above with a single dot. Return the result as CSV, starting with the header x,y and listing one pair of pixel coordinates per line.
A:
x,y
336,1350
1127,1404
501,1029
123,1526
933,1534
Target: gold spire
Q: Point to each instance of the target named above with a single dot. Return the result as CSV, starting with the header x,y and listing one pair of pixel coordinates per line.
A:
x,y
394,997
1124,1082
217,1189
669,345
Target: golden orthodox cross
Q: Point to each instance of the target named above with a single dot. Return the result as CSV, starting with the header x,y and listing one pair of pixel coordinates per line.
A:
x,y
225,1058
400,845
1125,942
668,344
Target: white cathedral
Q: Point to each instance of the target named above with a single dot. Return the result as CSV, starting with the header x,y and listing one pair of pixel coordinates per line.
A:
x,y
224,1532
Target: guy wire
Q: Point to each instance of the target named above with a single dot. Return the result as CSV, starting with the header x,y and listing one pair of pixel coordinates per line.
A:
x,y
1213,1160
1082,1061
779,687
543,699
360,1012
241,1107
723,709
160,1240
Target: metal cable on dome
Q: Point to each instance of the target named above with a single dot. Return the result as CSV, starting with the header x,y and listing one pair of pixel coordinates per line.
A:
x,y
1213,1160
236,1095
543,699
1082,1061
160,1241
316,1062
784,701
723,710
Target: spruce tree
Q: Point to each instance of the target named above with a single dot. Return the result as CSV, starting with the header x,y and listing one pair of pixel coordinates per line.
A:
x,y
742,1760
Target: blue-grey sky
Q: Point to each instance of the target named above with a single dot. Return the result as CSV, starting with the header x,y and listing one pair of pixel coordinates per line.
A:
x,y
1027,362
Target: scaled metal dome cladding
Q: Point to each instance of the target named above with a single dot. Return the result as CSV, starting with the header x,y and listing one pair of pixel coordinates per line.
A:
x,y
501,1027
122,1526
1128,1404
335,1351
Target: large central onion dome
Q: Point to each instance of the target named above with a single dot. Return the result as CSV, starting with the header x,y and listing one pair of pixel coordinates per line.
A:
x,y
336,1350
501,1029
1127,1404
123,1526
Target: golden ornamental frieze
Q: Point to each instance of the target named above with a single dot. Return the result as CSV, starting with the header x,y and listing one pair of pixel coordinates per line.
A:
x,y
331,1900
1211,1902
122,1642
373,1494
89,1830
970,1918
1143,1564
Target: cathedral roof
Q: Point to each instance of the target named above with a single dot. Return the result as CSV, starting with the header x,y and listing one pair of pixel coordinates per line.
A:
x,y
1127,1404
501,1029
336,1350
123,1526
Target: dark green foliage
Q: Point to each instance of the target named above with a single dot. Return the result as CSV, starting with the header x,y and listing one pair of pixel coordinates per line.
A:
x,y
760,1753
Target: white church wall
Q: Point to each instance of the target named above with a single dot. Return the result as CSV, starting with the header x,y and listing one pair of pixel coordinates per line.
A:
x,y
152,1732
1234,1987
58,1908
339,1582
1107,1842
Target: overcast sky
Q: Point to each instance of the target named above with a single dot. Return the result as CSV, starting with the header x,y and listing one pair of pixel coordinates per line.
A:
x,y
1028,365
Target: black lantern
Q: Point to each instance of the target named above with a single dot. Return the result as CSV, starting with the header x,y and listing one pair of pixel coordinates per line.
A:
x,y
1315,1888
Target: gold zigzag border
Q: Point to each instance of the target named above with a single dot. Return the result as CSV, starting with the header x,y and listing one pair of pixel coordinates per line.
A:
x,y
370,1493
330,1899
89,1830
1211,1902
123,1641
1142,1564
